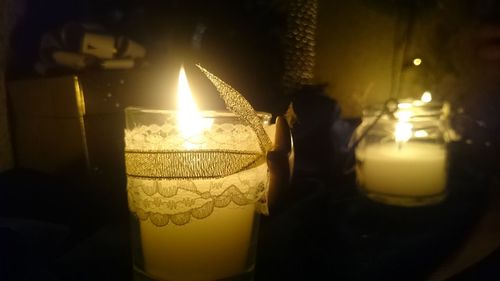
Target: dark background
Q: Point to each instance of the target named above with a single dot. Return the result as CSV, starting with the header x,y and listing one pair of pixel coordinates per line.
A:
x,y
58,230
223,36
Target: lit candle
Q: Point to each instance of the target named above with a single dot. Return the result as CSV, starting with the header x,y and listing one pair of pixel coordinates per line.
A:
x,y
409,164
206,229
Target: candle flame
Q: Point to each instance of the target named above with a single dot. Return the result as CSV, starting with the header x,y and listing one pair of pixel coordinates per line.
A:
x,y
404,129
190,122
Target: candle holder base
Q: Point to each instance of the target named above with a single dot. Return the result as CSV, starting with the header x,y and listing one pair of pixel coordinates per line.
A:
x,y
140,275
404,201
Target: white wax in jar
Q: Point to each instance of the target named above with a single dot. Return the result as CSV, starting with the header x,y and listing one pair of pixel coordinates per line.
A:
x,y
212,248
408,169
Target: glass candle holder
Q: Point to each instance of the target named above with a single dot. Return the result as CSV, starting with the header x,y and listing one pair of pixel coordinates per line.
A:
x,y
401,158
193,195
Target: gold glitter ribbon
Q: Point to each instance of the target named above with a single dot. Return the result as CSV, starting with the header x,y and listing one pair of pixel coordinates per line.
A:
x,y
189,164
238,105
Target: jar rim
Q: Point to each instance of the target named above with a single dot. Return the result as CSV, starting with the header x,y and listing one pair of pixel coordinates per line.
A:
x,y
419,108
204,113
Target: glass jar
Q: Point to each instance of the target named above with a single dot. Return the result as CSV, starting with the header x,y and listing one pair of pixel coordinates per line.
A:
x,y
401,154
194,195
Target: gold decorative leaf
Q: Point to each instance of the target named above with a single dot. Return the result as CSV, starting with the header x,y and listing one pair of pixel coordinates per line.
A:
x,y
237,104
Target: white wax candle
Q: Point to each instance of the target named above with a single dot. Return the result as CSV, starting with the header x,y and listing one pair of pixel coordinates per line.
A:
x,y
411,169
199,226
206,247
212,248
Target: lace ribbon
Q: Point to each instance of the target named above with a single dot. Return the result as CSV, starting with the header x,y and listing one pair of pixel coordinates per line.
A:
x,y
179,200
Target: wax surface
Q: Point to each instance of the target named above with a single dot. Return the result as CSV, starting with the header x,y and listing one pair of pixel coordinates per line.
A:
x,y
414,169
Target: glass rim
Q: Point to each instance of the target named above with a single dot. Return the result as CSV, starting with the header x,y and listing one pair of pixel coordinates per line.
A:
x,y
429,109
204,113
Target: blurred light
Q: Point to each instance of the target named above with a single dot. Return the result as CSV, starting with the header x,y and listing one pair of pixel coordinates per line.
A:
x,y
403,131
426,97
417,61
421,134
404,105
403,115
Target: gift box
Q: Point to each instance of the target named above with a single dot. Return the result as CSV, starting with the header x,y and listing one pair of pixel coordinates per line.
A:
x,y
73,125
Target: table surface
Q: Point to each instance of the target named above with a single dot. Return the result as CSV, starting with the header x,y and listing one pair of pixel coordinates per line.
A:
x,y
322,229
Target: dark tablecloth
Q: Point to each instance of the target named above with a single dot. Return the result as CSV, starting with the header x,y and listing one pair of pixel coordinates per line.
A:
x,y
324,230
